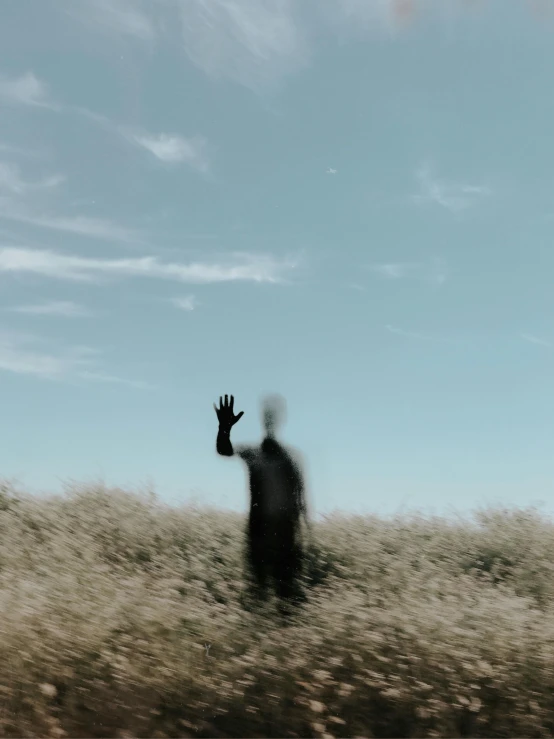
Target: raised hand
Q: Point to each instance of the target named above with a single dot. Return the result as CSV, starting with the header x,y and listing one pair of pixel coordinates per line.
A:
x,y
225,413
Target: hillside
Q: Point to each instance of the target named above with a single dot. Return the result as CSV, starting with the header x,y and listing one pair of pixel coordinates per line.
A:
x,y
122,617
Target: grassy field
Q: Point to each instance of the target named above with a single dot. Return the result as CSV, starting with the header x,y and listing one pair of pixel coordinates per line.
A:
x,y
122,617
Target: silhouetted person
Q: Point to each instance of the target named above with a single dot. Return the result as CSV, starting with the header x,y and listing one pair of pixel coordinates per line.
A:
x,y
277,498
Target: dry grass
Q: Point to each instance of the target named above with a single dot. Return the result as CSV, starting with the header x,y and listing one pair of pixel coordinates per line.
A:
x,y
412,626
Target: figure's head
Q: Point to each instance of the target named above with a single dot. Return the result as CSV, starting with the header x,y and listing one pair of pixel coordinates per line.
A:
x,y
274,411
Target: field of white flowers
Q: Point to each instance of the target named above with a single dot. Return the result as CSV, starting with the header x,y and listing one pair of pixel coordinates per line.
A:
x,y
121,617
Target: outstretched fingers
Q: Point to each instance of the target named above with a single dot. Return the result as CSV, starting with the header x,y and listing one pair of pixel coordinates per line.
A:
x,y
226,410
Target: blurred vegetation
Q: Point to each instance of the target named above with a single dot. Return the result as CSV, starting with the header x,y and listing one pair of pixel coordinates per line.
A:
x,y
122,617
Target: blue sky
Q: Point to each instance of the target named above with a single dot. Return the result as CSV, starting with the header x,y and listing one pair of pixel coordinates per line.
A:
x,y
347,202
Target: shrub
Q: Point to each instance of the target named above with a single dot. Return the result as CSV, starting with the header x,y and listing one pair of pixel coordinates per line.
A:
x,y
122,617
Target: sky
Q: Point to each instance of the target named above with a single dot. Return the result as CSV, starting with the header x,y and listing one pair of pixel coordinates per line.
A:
x,y
350,203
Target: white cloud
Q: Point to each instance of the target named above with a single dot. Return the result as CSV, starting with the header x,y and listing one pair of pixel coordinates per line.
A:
x,y
16,205
10,179
12,182
257,42
453,197
53,308
188,302
25,90
17,356
175,149
535,340
18,202
243,267
170,148
27,355
123,17
393,271
253,42
24,362
81,225
330,170
104,377
435,272
417,336
407,334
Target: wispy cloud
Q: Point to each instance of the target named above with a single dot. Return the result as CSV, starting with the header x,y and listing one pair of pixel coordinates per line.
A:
x,y
253,42
257,42
416,335
330,170
21,361
535,340
241,267
188,302
169,148
12,182
124,17
22,354
64,308
29,355
104,377
407,334
454,197
99,228
20,201
435,272
174,149
393,271
23,90
10,179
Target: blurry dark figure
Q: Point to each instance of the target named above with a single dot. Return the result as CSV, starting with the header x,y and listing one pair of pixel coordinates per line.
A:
x,y
277,499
